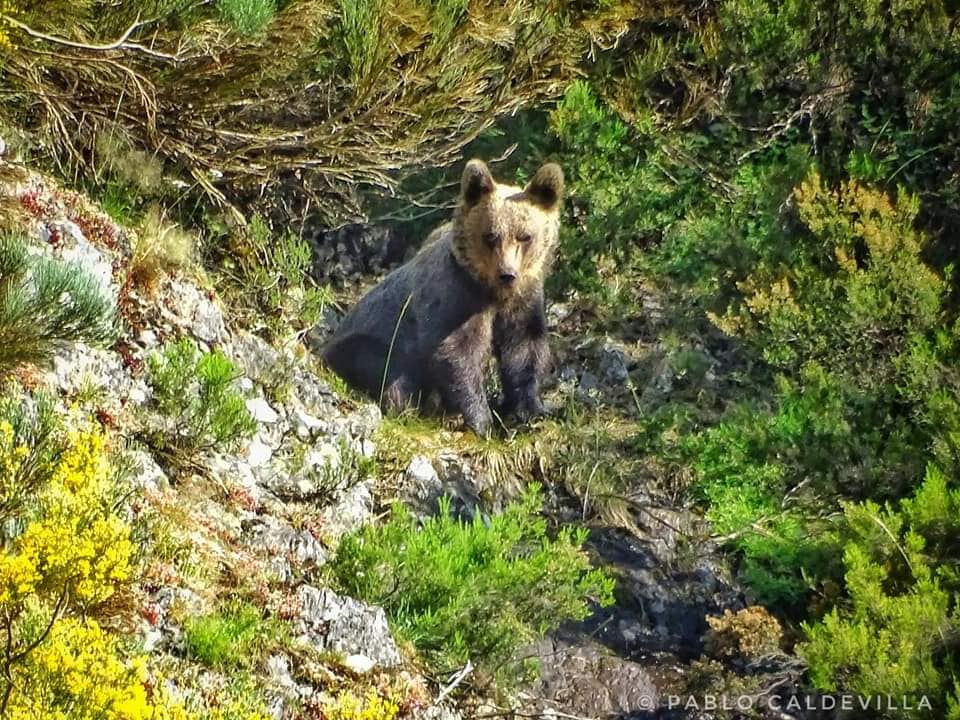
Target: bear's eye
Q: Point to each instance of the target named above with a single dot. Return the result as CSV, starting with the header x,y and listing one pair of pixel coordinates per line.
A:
x,y
491,239
524,238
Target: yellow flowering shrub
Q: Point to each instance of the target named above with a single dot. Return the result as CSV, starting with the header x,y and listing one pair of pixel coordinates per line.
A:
x,y
7,9
77,674
12,454
72,553
349,706
236,710
31,446
76,546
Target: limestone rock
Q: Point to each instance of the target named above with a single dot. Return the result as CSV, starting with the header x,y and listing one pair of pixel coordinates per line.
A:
x,y
202,317
261,411
148,476
344,625
272,537
351,511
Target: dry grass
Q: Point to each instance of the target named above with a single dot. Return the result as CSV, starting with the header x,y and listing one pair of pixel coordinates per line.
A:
x,y
330,96
160,247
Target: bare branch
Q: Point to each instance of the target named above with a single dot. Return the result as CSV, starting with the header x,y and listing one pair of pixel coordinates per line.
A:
x,y
120,43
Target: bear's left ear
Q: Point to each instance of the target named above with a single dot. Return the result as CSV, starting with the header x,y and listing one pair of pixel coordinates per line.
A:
x,y
546,188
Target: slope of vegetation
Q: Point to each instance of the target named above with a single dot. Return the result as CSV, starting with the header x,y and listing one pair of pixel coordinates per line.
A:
x,y
783,172
783,175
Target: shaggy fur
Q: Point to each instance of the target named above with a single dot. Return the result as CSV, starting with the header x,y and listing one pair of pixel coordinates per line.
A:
x,y
474,291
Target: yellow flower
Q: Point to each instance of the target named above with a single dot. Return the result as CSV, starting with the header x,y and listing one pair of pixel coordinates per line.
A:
x,y
11,458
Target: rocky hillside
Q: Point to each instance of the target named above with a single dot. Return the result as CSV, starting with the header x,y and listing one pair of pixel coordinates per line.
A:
x,y
217,521
748,487
240,471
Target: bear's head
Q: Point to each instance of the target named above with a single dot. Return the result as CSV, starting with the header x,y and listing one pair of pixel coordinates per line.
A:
x,y
505,236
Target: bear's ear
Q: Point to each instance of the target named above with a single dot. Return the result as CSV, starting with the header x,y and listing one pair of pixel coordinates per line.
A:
x,y
546,188
476,182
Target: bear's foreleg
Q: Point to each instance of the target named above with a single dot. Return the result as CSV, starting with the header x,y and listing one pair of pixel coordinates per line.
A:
x,y
520,344
457,373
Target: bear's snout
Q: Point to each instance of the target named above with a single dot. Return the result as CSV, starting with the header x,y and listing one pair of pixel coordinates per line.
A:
x,y
508,276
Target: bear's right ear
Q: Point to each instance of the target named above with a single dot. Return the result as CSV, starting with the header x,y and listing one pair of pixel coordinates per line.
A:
x,y
476,182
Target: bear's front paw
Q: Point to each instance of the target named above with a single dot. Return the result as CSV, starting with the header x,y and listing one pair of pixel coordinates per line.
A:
x,y
523,409
480,421
530,410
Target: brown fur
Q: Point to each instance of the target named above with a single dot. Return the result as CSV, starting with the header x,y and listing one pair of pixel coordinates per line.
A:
x,y
474,291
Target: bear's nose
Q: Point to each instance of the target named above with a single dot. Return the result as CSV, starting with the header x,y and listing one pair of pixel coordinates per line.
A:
x,y
507,278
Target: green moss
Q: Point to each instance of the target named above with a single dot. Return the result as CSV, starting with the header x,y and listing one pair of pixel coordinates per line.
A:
x,y
232,637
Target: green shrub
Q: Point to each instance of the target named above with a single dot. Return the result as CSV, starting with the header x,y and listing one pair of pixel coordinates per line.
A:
x,y
853,316
767,474
247,17
229,637
233,637
336,476
195,393
30,424
621,177
472,590
44,303
269,278
854,291
897,633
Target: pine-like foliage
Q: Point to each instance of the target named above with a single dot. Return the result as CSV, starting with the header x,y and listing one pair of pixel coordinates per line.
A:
x,y
44,303
472,590
194,393
897,636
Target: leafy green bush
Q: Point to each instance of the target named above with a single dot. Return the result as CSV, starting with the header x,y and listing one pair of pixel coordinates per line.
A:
x,y
44,303
897,634
195,393
853,291
477,590
853,316
767,474
620,175
830,285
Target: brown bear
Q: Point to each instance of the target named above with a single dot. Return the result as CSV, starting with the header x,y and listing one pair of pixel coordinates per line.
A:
x,y
475,290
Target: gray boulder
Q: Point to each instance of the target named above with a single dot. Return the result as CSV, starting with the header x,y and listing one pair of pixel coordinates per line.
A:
x,y
344,625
